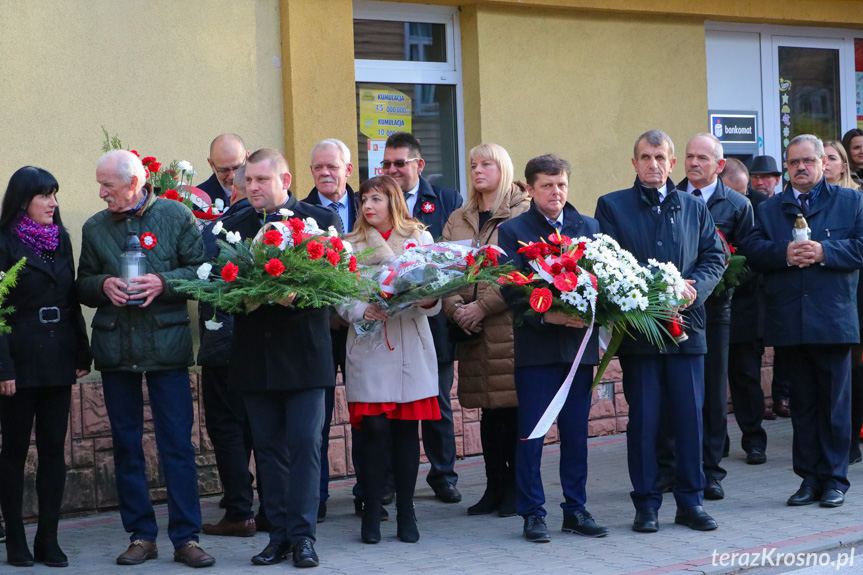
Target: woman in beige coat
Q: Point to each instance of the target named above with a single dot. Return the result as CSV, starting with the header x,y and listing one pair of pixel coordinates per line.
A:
x,y
485,362
392,379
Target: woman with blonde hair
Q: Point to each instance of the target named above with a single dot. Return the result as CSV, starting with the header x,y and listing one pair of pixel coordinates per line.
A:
x,y
837,170
482,325
392,380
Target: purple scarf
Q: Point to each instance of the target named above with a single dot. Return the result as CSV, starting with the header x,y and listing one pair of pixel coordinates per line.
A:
x,y
40,238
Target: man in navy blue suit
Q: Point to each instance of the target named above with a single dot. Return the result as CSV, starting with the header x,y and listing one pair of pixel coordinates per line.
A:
x,y
432,206
227,154
653,221
810,289
545,347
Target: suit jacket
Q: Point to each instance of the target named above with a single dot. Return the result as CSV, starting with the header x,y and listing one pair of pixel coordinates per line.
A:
x,y
37,354
680,231
214,189
433,208
538,343
733,216
818,303
353,205
281,348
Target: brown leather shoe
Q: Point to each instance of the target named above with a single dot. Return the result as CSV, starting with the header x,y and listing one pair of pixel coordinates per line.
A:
x,y
138,552
781,408
192,555
225,528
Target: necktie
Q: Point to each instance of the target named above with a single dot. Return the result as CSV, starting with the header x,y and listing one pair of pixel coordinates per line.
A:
x,y
556,224
804,203
408,202
697,193
334,207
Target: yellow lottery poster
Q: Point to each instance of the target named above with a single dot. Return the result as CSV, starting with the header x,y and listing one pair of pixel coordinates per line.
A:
x,y
383,112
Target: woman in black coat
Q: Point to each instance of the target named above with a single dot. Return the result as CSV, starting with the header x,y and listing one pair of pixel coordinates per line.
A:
x,y
39,360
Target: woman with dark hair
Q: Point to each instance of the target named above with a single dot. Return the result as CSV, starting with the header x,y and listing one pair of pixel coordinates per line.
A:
x,y
39,360
392,378
853,143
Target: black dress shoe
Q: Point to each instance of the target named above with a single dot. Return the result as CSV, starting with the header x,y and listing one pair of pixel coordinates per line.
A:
x,y
832,498
448,493
582,523
665,483
272,553
695,518
756,456
304,553
804,496
713,490
646,521
852,459
535,529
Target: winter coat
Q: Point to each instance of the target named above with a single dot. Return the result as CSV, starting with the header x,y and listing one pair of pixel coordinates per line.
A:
x,y
816,304
37,354
397,364
680,230
486,364
132,338
537,342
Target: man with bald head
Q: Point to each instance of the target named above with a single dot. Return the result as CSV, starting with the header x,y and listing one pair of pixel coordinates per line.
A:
x,y
142,329
282,364
227,154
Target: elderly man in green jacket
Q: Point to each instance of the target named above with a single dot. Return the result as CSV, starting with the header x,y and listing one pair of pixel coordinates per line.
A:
x,y
145,334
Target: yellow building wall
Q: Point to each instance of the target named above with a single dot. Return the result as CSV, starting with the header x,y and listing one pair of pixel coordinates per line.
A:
x,y
165,76
583,85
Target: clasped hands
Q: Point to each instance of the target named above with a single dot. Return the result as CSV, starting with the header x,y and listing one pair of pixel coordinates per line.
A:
x,y
469,317
148,286
375,312
804,254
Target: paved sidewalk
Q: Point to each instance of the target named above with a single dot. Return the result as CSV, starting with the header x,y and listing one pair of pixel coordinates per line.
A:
x,y
752,515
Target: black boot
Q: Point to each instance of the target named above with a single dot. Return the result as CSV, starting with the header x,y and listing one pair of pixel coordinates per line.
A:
x,y
46,549
371,529
17,552
374,457
407,523
494,465
507,502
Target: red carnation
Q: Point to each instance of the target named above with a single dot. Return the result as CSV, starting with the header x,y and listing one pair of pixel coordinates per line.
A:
x,y
556,268
154,167
352,265
297,237
540,299
135,152
315,250
171,195
296,224
148,160
230,271
470,260
333,257
337,244
566,281
491,256
274,267
273,237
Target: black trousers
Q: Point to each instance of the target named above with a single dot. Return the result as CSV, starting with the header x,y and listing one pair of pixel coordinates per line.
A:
x,y
286,428
438,434
49,407
744,381
782,374
228,428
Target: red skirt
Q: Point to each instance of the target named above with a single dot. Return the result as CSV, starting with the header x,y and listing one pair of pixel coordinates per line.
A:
x,y
420,409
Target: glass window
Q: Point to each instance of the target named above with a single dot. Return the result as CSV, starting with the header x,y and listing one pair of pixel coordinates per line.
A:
x,y
426,110
399,41
809,93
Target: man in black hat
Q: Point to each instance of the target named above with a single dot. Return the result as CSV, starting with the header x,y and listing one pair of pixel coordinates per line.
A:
x,y
764,175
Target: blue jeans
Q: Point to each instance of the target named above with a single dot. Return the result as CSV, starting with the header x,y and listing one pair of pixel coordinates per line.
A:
x,y
171,404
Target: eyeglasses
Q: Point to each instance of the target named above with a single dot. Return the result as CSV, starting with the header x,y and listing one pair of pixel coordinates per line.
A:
x,y
224,171
398,163
809,161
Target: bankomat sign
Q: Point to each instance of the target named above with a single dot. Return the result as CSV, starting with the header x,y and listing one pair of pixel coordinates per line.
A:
x,y
737,128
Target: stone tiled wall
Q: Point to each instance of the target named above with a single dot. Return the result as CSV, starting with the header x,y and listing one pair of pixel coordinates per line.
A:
x,y
90,480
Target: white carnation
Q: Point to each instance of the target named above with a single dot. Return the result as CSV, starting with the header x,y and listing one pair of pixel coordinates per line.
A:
x,y
204,270
217,229
286,212
233,237
213,325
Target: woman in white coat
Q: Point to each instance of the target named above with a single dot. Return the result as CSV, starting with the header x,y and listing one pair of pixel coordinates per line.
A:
x,y
392,380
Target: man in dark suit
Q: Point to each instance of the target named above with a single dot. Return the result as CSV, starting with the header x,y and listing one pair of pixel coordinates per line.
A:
x,y
432,206
545,347
732,214
810,288
282,362
331,167
227,154
653,220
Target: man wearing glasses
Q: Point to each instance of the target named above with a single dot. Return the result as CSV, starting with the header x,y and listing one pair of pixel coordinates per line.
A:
x,y
227,155
432,206
810,288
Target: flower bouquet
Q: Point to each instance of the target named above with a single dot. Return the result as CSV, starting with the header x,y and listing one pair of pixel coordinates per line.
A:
x,y
292,260
173,182
7,282
735,267
424,272
595,280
